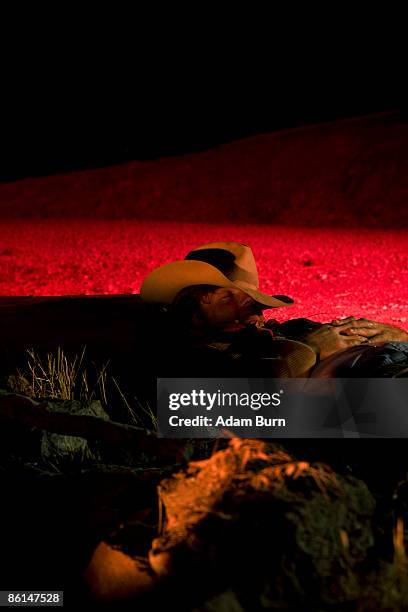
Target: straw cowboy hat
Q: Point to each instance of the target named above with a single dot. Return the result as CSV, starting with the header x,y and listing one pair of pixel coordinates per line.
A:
x,y
224,264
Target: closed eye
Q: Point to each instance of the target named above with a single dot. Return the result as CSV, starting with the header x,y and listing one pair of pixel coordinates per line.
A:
x,y
227,296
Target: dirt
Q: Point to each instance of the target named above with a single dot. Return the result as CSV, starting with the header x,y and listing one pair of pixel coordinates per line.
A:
x,y
330,272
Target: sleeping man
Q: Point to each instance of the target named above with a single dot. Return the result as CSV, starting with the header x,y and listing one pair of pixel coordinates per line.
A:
x,y
216,326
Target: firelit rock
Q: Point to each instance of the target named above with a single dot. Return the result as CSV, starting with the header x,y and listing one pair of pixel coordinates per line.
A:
x,y
254,519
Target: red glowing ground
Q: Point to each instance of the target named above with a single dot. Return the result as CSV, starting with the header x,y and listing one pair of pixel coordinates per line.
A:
x,y
330,273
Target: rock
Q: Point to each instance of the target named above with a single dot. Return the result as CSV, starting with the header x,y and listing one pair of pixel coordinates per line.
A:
x,y
112,575
254,519
58,450
25,415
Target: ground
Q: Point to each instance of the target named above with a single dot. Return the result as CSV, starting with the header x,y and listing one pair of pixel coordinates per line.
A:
x,y
323,207
330,272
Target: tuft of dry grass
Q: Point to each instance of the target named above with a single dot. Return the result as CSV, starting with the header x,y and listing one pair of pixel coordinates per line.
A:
x,y
58,376
63,377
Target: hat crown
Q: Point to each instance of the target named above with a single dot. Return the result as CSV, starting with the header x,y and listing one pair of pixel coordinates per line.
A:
x,y
222,264
233,259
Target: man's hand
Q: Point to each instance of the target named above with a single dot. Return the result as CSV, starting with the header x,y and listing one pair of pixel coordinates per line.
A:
x,y
329,339
372,330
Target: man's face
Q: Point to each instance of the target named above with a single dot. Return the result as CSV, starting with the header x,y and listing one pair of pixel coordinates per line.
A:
x,y
230,309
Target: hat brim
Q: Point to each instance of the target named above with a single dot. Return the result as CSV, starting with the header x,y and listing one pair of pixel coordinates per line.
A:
x,y
163,284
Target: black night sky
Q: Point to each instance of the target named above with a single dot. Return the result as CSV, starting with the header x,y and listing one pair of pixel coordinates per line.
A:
x,y
100,110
